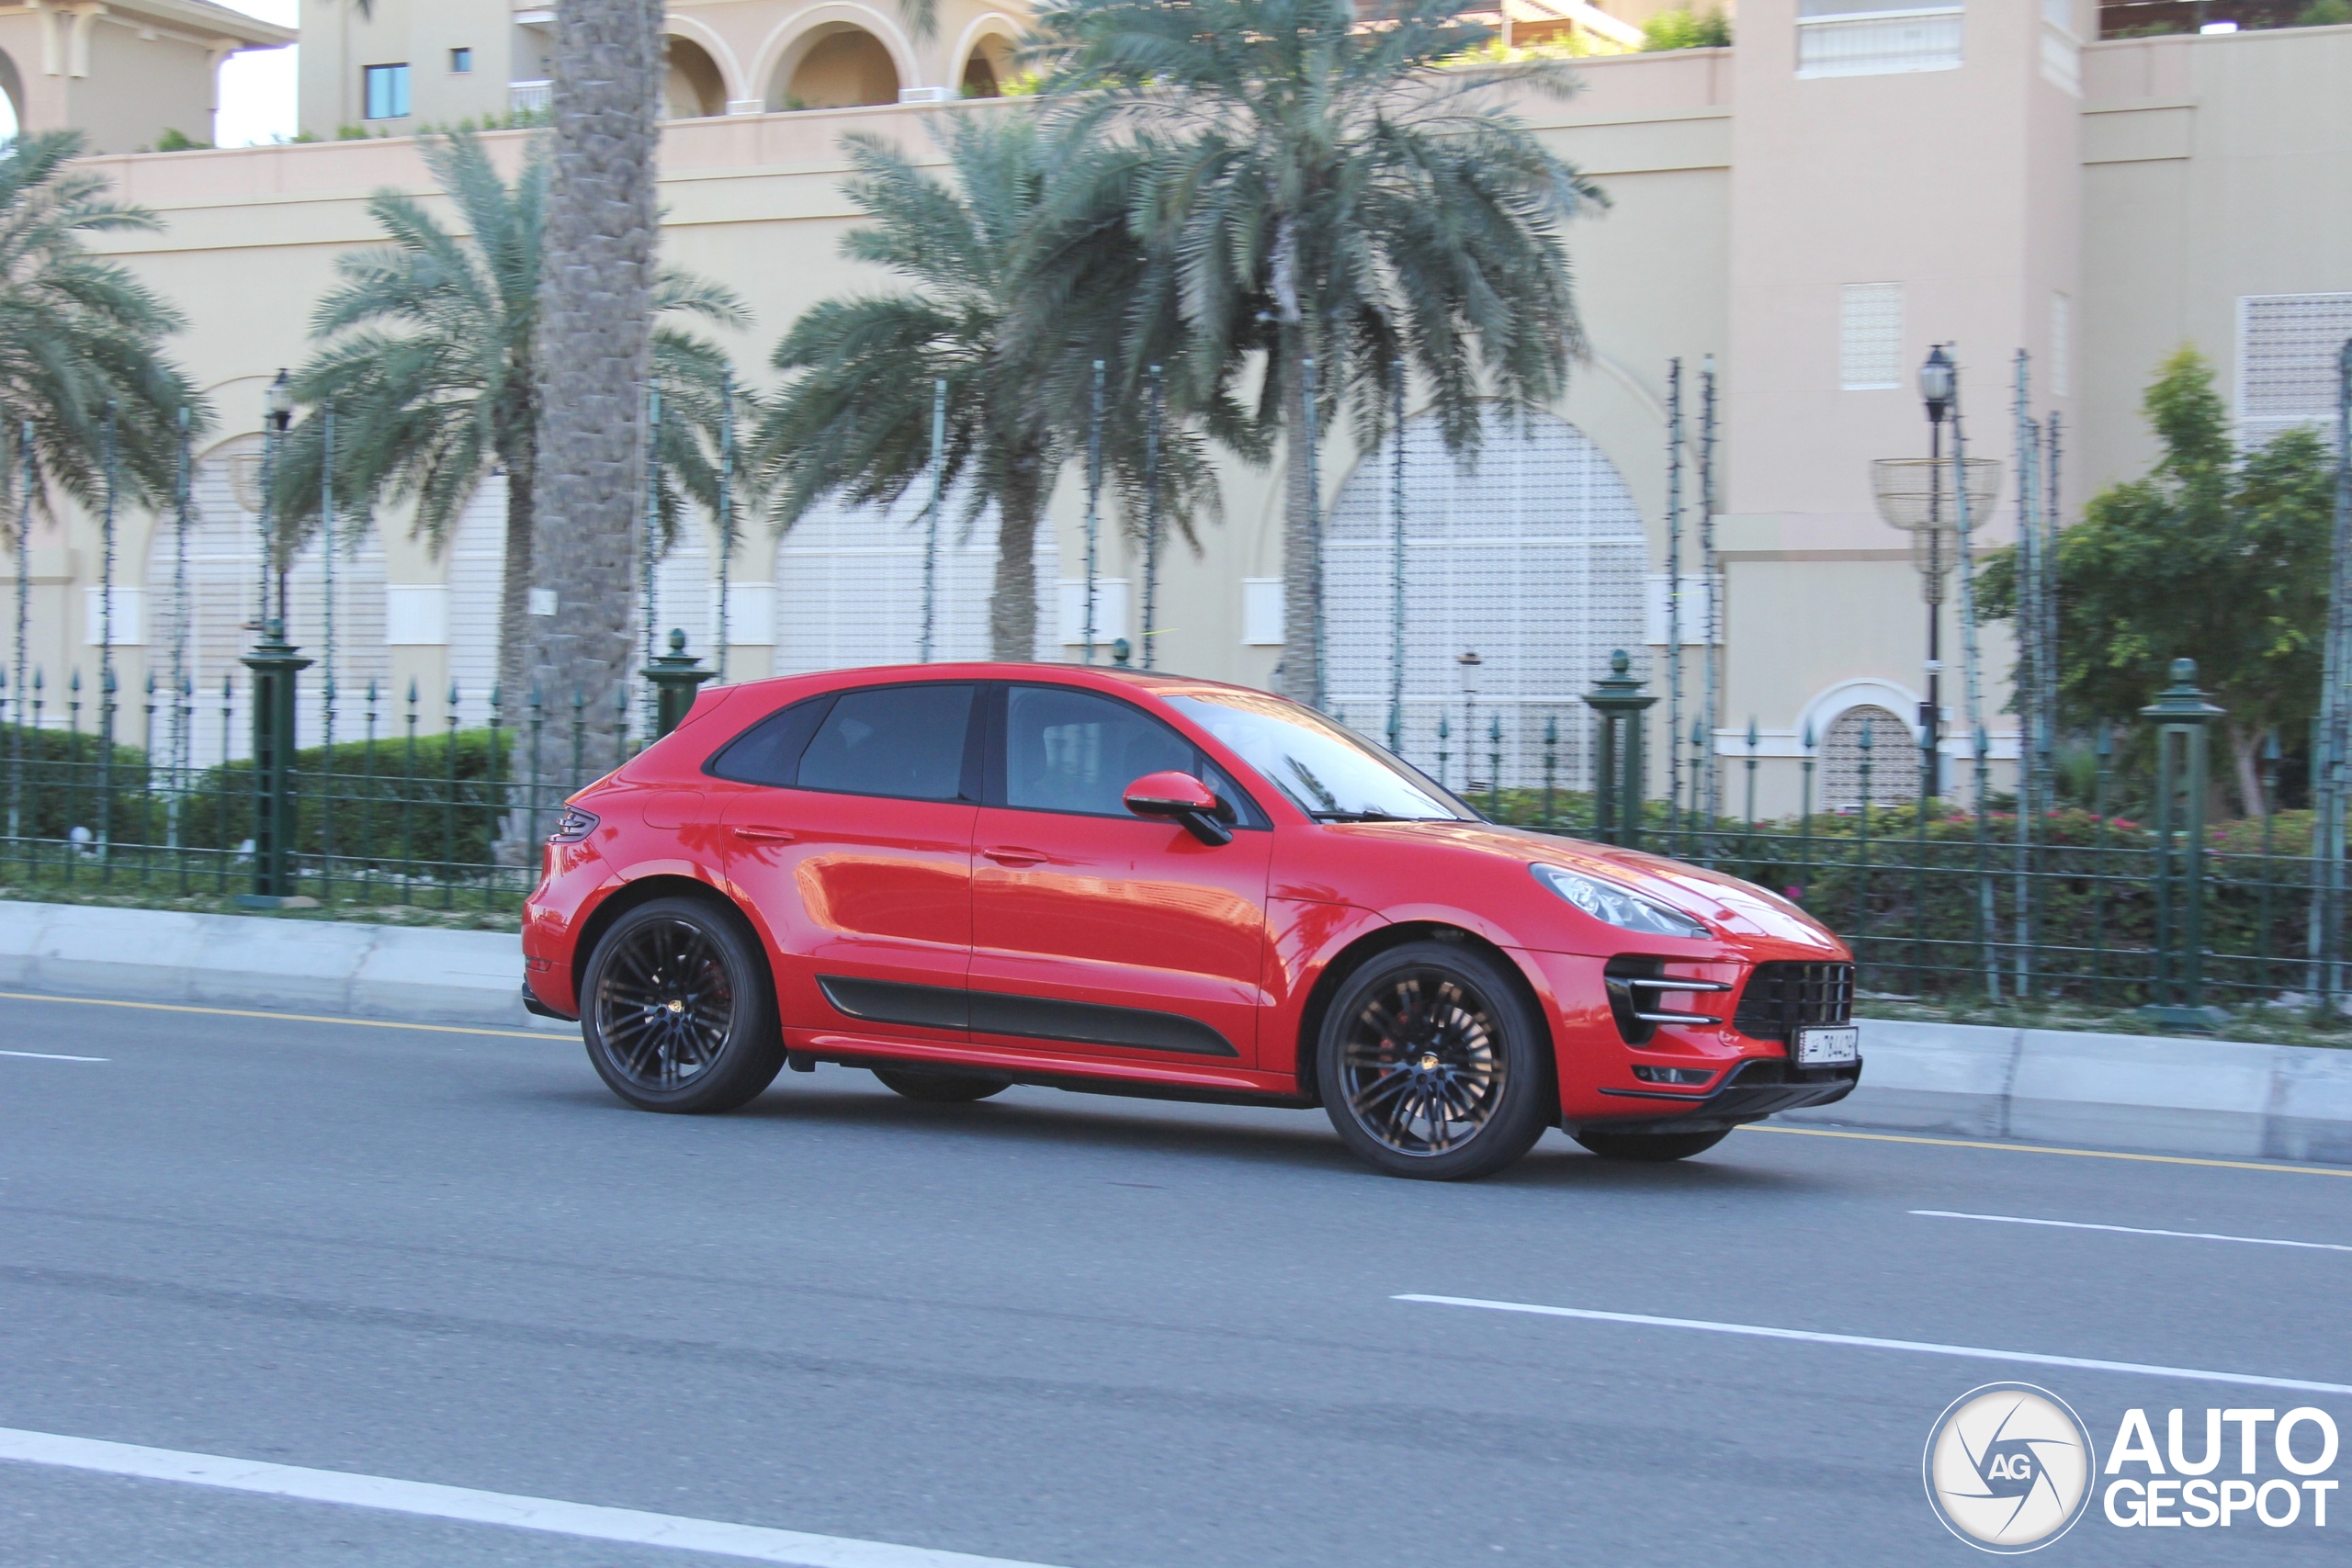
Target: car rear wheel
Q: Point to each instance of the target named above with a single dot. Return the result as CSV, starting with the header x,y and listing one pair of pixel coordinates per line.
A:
x,y
941,1088
1433,1065
1653,1146
677,1009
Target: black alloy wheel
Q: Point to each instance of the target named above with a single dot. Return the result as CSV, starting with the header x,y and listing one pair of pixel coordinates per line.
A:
x,y
679,1012
1433,1065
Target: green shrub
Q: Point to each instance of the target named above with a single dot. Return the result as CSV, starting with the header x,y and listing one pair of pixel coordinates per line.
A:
x,y
1688,30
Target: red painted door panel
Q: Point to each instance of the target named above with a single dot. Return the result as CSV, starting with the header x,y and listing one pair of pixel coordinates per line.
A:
x,y
1097,931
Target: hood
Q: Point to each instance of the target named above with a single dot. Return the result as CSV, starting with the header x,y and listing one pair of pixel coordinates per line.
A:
x,y
1731,906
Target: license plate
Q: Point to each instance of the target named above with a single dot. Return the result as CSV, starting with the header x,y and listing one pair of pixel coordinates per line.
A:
x,y
1827,1044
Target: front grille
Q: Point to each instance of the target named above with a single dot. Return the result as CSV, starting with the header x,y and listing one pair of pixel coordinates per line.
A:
x,y
1780,995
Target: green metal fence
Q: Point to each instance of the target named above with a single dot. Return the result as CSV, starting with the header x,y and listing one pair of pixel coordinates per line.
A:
x,y
1939,901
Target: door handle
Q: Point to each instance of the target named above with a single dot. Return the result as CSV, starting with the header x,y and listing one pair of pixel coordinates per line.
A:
x,y
759,835
1013,856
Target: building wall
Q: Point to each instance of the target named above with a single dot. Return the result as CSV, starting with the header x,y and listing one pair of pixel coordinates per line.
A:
x,y
1742,197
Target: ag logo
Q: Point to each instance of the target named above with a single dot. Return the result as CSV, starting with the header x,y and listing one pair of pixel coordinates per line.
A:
x,y
2009,1467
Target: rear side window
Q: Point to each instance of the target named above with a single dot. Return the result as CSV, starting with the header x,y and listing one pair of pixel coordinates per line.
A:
x,y
905,741
769,752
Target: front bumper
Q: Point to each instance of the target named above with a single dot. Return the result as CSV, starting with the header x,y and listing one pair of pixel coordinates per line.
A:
x,y
1749,1093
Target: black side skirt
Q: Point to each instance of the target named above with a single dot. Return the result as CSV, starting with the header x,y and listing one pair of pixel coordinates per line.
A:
x,y
1031,1018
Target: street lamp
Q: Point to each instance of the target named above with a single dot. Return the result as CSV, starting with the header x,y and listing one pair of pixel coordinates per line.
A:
x,y
278,412
1916,495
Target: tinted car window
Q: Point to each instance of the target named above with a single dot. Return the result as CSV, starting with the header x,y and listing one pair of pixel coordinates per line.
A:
x,y
1069,751
769,752
906,741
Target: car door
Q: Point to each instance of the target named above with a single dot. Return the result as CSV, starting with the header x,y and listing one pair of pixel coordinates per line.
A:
x,y
849,827
1098,931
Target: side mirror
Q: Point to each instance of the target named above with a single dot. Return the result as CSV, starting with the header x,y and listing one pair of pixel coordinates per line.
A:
x,y
1180,798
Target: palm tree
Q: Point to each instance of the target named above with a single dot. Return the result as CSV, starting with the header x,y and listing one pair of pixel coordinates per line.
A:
x,y
853,419
78,333
428,358
1324,186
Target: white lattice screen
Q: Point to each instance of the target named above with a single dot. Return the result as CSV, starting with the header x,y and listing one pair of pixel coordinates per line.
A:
x,y
476,563
849,586
2287,349
223,579
1534,560
1895,760
685,593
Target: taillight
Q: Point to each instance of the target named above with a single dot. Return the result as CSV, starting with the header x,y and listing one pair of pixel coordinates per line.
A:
x,y
572,826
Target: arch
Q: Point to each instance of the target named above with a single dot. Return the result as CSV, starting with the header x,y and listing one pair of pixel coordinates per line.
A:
x,y
12,85
1894,759
1868,691
732,85
224,561
849,585
988,45
1534,559
693,87
781,56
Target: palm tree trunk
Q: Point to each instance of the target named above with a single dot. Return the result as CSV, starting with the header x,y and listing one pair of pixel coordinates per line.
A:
x,y
595,337
514,595
1012,607
1297,676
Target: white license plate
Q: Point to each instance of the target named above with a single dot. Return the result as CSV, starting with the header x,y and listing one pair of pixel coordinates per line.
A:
x,y
1827,1045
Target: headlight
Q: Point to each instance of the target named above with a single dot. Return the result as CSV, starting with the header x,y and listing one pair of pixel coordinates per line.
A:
x,y
1614,906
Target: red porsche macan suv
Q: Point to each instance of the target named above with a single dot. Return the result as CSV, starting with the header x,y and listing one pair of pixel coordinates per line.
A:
x,y
967,877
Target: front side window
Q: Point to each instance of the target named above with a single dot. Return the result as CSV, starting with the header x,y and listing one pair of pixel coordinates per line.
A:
x,y
1071,751
903,741
1328,772
387,91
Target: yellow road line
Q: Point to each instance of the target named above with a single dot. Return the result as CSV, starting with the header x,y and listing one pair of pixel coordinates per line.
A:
x,y
2047,1149
280,1017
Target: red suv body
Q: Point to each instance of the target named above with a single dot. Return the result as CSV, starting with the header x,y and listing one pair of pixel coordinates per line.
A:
x,y
968,876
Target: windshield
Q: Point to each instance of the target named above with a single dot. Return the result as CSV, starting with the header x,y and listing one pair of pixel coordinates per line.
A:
x,y
1329,773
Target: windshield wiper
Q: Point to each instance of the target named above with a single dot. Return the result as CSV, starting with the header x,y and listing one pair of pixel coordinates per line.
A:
x,y
1362,817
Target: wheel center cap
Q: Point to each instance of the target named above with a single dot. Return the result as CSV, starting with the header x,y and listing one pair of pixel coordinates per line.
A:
x,y
677,1007
1428,1061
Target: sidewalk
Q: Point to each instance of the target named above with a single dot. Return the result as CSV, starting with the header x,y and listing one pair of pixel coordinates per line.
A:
x,y
2210,1098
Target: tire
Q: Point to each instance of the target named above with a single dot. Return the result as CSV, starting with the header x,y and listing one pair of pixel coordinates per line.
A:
x,y
941,1088
1435,1065
678,1010
1652,1147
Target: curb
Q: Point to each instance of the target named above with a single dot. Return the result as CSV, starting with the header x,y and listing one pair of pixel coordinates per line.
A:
x,y
2214,1097
415,973
2219,1097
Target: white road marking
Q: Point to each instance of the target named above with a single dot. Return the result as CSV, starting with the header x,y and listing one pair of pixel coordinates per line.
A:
x,y
48,1056
1866,1342
2135,1230
588,1521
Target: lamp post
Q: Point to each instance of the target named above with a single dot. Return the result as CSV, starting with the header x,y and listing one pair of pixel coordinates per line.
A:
x,y
1936,389
1920,495
278,412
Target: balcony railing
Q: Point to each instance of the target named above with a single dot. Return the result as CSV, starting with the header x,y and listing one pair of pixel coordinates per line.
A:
x,y
529,97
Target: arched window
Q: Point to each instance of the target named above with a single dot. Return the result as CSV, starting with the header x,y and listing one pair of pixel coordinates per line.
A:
x,y
849,586
1533,560
836,66
1894,755
223,590
693,88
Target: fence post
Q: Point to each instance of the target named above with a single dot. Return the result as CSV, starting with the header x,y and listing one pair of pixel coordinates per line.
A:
x,y
2105,750
1444,731
2181,715
1862,847
1618,704
1551,762
1495,768
1804,817
449,809
276,664
531,800
676,676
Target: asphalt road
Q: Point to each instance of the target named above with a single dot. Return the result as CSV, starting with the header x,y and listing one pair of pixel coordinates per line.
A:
x,y
1059,1329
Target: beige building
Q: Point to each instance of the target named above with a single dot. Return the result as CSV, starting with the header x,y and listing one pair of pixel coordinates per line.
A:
x,y
124,72
1813,207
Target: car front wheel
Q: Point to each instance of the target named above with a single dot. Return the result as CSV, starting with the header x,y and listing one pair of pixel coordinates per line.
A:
x,y
1433,1065
677,1009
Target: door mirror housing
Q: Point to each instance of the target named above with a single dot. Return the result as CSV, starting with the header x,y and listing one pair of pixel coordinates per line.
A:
x,y
1180,798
